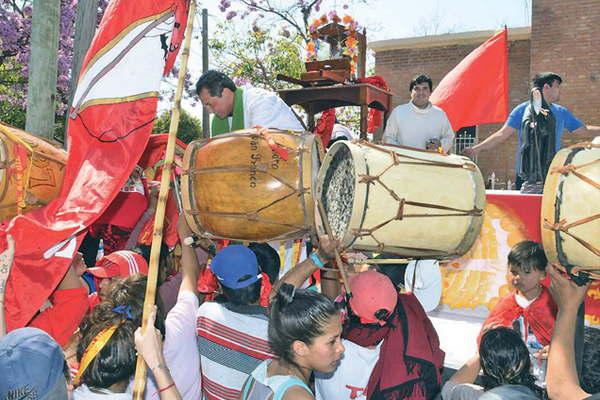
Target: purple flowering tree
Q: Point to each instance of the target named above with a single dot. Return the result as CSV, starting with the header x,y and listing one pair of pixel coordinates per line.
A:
x,y
293,16
15,30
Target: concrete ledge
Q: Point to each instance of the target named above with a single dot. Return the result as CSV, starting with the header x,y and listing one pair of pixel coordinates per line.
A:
x,y
448,39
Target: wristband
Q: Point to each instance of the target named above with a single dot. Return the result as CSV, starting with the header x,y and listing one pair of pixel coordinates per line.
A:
x,y
189,241
314,257
160,365
165,388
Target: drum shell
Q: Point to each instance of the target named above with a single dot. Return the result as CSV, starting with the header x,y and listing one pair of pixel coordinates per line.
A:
x,y
235,187
569,199
32,171
459,185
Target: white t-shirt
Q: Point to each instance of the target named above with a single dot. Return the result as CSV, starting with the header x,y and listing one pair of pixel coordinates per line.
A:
x,y
350,379
180,349
409,125
265,108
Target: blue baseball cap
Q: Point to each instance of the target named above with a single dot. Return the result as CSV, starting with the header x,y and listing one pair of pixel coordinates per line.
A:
x,y
31,366
235,267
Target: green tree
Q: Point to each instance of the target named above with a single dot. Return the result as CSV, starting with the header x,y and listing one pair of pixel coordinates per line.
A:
x,y
12,112
189,128
256,57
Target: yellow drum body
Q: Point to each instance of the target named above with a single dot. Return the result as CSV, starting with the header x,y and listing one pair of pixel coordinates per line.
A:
x,y
236,187
401,200
31,171
571,208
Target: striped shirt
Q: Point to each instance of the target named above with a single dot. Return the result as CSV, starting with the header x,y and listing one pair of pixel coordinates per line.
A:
x,y
231,346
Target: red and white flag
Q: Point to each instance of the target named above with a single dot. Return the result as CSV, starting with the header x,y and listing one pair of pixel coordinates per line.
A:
x,y
475,92
110,122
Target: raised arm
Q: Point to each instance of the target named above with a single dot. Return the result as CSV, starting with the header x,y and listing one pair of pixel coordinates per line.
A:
x,y
561,379
587,130
191,264
149,345
495,139
300,273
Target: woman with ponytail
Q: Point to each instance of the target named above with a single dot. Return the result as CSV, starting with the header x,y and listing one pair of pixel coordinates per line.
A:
x,y
305,335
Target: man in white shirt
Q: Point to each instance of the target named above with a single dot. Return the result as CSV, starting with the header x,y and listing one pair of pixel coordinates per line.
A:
x,y
419,123
245,107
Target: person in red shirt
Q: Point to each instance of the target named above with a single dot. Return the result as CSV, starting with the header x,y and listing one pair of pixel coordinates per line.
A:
x,y
67,305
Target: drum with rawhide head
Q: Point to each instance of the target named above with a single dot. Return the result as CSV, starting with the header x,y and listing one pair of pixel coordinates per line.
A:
x,y
401,200
571,210
235,186
31,171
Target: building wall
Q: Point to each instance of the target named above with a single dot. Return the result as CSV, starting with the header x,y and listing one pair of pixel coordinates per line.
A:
x,y
565,38
398,67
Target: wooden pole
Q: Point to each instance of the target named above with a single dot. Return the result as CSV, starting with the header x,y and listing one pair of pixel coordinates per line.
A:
x,y
43,66
338,259
140,371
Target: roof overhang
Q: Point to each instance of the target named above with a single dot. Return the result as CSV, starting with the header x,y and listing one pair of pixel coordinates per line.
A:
x,y
448,39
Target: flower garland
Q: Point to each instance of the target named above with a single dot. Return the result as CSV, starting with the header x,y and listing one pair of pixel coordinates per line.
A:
x,y
350,48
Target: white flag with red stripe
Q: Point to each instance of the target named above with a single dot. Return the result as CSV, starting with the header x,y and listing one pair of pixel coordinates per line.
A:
x,y
110,123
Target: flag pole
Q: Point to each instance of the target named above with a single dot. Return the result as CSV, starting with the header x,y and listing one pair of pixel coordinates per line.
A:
x,y
140,370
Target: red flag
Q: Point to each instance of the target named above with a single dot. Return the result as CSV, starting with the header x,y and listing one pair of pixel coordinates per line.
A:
x,y
475,92
111,119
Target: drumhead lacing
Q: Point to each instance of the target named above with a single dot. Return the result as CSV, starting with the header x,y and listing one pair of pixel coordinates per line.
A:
x,y
562,226
402,202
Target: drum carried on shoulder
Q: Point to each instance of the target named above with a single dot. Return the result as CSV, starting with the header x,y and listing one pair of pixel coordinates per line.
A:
x,y
235,186
570,220
377,198
31,171
402,200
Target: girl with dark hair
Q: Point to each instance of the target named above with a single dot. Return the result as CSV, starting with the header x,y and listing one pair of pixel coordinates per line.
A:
x,y
106,353
305,334
504,361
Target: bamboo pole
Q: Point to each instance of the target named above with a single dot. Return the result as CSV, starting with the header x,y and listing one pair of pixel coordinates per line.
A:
x,y
338,259
140,371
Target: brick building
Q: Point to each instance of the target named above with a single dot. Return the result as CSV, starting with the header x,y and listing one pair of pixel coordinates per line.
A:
x,y
564,38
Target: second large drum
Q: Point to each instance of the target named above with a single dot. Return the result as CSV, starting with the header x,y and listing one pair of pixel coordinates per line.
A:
x,y
402,200
236,187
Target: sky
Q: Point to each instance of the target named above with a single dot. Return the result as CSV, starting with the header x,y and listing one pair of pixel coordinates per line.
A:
x,y
394,19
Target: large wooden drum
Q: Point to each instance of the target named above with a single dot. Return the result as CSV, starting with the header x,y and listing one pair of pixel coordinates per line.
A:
x,y
401,200
31,171
236,187
571,208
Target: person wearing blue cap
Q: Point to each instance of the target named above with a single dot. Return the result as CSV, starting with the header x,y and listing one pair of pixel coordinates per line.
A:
x,y
232,334
32,366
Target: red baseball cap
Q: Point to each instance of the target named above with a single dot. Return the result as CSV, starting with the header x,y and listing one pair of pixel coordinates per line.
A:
x,y
122,263
371,292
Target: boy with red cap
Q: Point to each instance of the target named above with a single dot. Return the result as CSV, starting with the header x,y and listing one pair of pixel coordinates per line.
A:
x,y
392,348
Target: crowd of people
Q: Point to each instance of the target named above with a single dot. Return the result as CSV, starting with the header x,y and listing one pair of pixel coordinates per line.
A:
x,y
240,324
